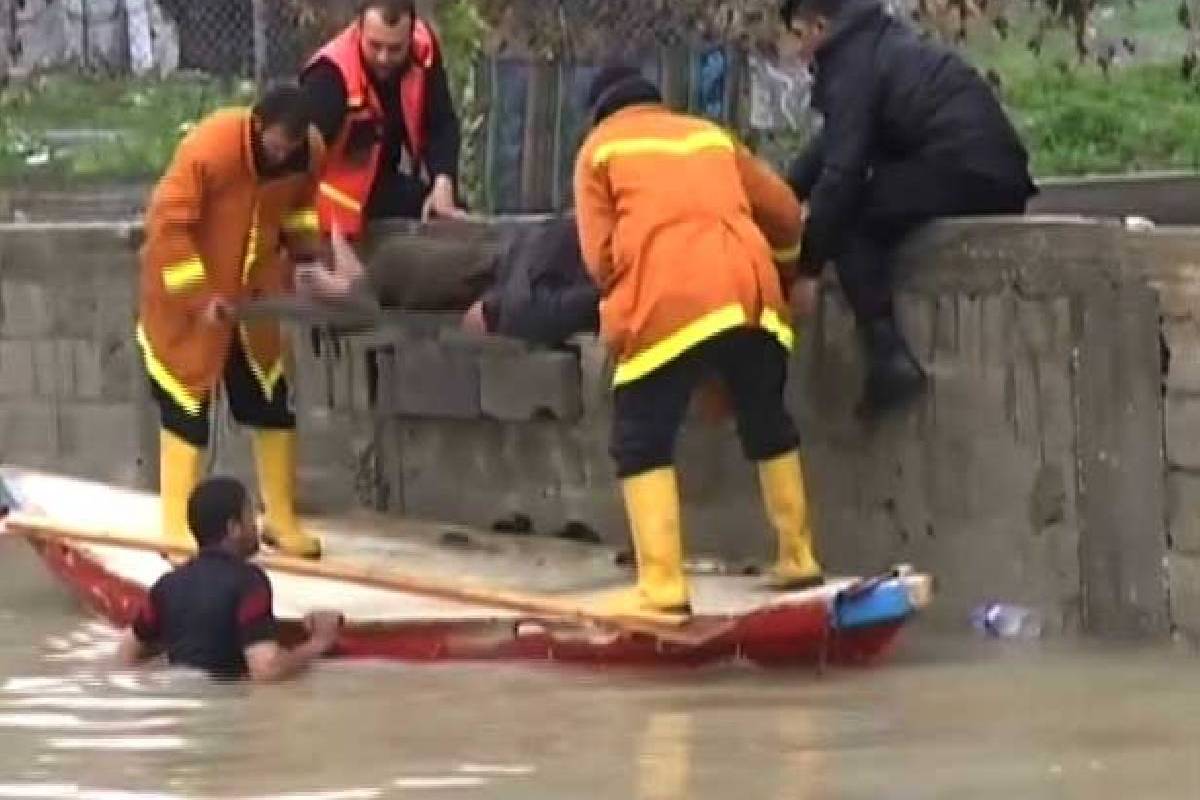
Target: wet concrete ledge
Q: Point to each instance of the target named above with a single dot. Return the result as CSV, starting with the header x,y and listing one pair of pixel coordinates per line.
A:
x,y
1056,461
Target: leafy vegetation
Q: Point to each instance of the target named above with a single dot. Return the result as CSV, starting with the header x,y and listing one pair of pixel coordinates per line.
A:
x,y
1133,106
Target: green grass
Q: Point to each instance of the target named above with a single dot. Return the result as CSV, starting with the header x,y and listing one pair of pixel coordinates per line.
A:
x,y
1143,117
147,117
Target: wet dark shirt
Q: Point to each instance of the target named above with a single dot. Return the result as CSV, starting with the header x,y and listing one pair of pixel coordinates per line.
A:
x,y
206,612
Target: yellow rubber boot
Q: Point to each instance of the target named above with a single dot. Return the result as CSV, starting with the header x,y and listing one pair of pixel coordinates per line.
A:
x,y
178,474
275,459
652,503
782,483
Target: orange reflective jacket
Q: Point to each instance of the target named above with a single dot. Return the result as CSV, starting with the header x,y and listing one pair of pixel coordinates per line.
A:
x,y
213,230
680,227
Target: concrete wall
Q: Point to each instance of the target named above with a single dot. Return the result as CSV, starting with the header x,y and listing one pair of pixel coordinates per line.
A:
x,y
1050,464
1168,198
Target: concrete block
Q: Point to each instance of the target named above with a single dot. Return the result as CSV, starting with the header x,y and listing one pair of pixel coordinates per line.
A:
x,y
76,307
526,386
122,374
116,310
1183,580
17,377
1180,301
29,430
49,381
1121,463
431,379
1183,340
1183,431
102,441
87,366
1183,506
27,310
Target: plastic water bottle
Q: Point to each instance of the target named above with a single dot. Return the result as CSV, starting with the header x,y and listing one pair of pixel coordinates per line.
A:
x,y
1004,621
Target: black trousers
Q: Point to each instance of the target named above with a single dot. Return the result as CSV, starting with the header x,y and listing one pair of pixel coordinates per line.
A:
x,y
648,413
899,197
247,402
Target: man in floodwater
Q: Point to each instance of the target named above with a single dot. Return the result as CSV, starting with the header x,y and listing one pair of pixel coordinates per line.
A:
x,y
214,613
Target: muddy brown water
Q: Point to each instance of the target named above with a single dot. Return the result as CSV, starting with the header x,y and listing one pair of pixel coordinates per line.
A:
x,y
947,716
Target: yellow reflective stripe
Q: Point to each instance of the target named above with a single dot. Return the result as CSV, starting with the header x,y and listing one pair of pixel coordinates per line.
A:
x,y
786,254
771,322
339,197
182,276
679,343
251,253
266,379
165,380
302,221
688,145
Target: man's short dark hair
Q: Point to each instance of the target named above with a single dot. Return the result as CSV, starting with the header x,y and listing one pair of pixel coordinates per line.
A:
x,y
825,8
284,105
392,11
214,504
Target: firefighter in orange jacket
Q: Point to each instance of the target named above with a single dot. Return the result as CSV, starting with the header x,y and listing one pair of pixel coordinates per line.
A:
x,y
382,104
681,229
239,190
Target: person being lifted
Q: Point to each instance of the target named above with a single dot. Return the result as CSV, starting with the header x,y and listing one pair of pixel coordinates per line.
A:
x,y
227,223
911,133
382,103
680,227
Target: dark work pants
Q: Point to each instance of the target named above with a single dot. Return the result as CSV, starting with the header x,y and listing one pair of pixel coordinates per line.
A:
x,y
247,403
648,412
899,197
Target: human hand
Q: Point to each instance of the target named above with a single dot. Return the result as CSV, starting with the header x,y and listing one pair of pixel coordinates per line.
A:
x,y
324,626
806,293
473,321
440,202
216,311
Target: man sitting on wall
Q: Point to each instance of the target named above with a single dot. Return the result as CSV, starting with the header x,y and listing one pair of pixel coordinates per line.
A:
x,y
911,133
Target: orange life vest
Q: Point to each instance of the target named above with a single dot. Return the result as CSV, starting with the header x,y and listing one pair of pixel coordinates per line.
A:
x,y
348,176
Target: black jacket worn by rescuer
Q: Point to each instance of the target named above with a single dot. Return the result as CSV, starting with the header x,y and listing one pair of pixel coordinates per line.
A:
x,y
888,95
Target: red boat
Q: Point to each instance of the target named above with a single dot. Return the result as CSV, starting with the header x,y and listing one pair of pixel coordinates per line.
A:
x,y
444,615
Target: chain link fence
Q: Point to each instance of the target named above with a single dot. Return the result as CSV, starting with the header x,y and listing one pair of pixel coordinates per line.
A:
x,y
246,39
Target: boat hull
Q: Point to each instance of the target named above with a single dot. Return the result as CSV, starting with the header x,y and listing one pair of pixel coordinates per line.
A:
x,y
785,635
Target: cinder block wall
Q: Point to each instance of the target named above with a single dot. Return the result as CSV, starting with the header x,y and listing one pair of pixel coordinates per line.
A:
x,y
1050,464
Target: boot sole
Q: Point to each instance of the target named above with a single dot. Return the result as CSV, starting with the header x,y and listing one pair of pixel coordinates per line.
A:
x,y
796,584
314,555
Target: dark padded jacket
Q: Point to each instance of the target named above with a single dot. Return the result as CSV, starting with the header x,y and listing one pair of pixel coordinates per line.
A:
x,y
542,293
888,95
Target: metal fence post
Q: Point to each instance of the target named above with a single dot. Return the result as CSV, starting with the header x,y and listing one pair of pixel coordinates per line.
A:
x,y
7,32
261,22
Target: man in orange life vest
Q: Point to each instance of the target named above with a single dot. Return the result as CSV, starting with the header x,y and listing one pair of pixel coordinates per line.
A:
x,y
237,194
379,96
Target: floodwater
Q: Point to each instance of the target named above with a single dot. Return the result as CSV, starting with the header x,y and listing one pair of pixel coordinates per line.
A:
x,y
945,717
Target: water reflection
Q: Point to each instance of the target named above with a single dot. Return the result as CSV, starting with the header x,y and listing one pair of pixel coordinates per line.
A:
x,y
663,757
956,719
